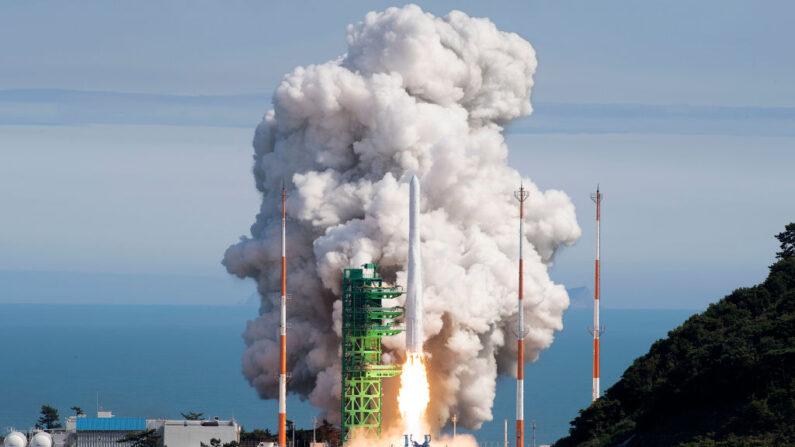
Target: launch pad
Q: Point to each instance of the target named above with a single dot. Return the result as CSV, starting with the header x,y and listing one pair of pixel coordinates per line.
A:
x,y
364,322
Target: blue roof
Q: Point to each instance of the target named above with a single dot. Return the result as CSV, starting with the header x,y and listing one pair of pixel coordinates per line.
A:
x,y
111,424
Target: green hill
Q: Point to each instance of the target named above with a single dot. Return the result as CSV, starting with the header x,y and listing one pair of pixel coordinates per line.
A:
x,y
726,377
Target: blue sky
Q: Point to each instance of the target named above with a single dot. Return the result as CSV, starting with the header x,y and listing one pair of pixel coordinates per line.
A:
x,y
125,134
709,52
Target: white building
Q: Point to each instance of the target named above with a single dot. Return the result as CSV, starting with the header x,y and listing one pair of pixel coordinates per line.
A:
x,y
105,430
194,433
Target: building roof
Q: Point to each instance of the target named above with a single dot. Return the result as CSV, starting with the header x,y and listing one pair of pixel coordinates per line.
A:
x,y
111,424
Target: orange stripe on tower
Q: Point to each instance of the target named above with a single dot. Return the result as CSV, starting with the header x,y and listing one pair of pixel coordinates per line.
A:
x,y
520,367
596,358
519,432
520,357
596,294
282,433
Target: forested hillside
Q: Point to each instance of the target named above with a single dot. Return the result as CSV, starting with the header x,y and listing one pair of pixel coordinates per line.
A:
x,y
725,377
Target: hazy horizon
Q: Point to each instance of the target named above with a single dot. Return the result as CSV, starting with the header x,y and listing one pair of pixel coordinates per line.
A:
x,y
130,154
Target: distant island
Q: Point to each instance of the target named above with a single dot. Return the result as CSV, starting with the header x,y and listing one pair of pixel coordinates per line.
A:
x,y
726,377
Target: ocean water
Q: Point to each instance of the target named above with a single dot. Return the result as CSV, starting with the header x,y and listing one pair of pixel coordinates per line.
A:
x,y
158,361
559,383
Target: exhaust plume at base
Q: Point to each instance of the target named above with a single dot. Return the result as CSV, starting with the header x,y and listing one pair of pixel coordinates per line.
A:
x,y
395,438
415,94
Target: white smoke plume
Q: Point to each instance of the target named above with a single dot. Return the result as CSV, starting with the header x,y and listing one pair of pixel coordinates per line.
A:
x,y
415,94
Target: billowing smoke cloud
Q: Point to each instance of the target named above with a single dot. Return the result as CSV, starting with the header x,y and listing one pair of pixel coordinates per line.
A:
x,y
414,94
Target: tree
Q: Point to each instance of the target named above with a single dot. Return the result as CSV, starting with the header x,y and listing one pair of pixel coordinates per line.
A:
x,y
257,436
78,411
191,416
146,438
49,418
787,239
327,432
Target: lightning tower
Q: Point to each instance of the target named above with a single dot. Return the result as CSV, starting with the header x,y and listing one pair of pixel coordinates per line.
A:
x,y
283,335
521,196
596,330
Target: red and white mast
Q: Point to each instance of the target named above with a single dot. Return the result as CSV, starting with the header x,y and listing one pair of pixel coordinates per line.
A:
x,y
597,329
521,196
283,335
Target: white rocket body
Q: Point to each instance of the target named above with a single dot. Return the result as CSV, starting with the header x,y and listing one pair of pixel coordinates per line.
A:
x,y
414,305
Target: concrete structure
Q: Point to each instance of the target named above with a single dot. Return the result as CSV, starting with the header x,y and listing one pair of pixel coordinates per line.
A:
x,y
60,438
177,433
101,431
106,431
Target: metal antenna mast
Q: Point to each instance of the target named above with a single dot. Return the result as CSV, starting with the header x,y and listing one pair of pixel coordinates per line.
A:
x,y
283,333
596,330
521,196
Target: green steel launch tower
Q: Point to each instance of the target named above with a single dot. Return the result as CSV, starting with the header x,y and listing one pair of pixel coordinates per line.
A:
x,y
364,322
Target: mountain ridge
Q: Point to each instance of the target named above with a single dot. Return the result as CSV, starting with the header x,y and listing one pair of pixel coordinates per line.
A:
x,y
722,378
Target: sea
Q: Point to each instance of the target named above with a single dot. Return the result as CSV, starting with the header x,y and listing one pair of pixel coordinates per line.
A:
x,y
159,361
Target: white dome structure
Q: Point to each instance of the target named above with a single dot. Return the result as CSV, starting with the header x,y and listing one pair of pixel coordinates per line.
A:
x,y
15,439
41,439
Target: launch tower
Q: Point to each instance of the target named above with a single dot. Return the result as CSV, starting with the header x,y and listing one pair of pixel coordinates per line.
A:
x,y
364,322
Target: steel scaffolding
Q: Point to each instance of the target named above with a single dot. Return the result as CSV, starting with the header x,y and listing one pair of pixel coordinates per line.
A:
x,y
364,322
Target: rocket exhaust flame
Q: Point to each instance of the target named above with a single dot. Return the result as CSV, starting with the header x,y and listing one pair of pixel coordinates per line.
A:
x,y
414,395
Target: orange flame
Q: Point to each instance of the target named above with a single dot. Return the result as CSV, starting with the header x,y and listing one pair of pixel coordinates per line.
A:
x,y
414,395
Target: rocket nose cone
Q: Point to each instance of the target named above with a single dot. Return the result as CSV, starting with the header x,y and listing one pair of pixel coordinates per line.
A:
x,y
414,180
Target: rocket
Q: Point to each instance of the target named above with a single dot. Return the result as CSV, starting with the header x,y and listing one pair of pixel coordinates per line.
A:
x,y
414,306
